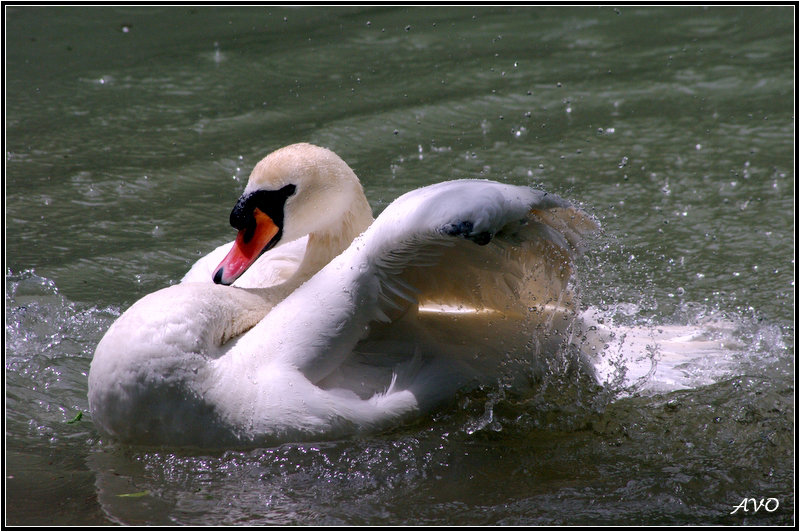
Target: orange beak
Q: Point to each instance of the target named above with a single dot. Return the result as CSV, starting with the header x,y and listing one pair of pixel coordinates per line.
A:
x,y
245,250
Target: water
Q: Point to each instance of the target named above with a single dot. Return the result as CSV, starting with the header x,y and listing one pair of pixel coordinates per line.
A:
x,y
132,130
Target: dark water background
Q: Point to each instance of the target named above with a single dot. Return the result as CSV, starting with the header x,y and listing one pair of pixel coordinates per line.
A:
x,y
130,132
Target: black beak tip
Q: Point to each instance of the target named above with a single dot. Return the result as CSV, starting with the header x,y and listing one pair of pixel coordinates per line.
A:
x,y
218,277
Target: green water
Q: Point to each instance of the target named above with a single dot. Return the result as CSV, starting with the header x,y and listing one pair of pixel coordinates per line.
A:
x,y
130,133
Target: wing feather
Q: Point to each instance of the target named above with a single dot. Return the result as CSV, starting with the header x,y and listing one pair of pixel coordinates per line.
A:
x,y
477,244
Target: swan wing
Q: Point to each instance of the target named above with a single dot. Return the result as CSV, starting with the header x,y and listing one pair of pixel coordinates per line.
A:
x,y
471,243
477,245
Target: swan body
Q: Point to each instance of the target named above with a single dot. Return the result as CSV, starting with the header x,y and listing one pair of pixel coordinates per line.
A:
x,y
341,324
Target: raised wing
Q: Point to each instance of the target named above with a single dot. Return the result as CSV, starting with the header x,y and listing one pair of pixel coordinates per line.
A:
x,y
469,243
478,245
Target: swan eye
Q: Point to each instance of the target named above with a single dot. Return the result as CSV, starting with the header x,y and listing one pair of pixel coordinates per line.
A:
x,y
270,202
258,216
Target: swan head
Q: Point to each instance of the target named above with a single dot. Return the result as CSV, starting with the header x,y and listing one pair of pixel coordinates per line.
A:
x,y
297,190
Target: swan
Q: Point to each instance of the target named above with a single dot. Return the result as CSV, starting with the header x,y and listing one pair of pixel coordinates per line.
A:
x,y
318,322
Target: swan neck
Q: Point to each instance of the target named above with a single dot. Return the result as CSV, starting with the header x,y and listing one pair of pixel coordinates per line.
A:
x,y
323,246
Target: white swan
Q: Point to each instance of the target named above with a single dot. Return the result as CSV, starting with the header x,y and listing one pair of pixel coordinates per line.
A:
x,y
449,283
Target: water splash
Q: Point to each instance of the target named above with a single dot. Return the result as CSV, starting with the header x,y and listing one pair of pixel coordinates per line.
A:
x,y
49,343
